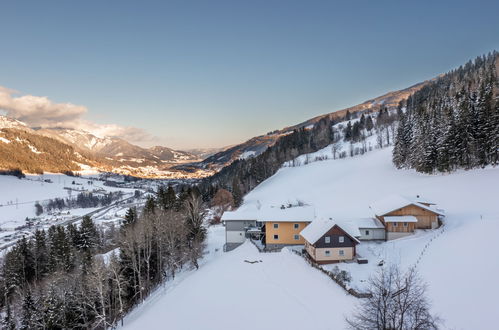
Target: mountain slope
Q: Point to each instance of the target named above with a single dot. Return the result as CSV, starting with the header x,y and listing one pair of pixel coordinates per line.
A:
x,y
62,149
24,150
344,189
257,145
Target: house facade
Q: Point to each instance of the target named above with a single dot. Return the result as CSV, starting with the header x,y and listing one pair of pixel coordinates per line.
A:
x,y
327,242
401,216
274,227
284,233
371,229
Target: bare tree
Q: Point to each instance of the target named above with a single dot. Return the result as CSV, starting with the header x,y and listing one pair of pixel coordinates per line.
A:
x,y
196,232
221,202
398,301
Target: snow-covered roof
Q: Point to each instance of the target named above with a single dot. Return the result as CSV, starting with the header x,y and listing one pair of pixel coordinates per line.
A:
x,y
401,218
370,223
272,213
394,202
238,216
315,230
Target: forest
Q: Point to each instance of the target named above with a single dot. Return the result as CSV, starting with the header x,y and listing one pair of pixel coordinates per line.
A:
x,y
85,277
453,122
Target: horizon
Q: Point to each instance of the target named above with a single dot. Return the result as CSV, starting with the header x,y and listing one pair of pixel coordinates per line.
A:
x,y
214,75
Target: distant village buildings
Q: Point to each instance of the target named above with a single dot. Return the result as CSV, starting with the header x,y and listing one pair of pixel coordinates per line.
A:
x,y
328,240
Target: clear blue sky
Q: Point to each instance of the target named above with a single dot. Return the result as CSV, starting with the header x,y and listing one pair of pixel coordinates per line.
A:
x,y
213,73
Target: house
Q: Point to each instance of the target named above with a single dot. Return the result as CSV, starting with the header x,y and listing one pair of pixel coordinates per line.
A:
x,y
402,215
238,227
370,229
276,226
327,241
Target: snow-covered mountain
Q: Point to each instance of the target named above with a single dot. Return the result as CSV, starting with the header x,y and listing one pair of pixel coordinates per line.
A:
x,y
84,148
6,122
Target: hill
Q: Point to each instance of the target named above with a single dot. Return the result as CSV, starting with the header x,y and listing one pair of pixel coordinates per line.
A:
x,y
36,150
257,145
284,289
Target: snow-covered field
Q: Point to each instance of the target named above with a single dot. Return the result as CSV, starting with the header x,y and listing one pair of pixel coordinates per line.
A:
x,y
280,291
19,196
459,263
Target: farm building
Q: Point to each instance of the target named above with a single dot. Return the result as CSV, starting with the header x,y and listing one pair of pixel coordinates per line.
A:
x,y
327,242
401,215
371,229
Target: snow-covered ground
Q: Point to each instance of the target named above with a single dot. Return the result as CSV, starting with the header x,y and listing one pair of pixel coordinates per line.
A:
x,y
459,261
280,291
459,264
19,196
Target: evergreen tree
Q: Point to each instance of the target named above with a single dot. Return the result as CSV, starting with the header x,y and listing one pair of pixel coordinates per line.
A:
x,y
130,217
348,132
28,316
236,192
150,205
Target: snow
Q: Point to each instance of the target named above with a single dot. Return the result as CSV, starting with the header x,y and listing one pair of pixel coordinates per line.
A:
x,y
247,154
18,196
401,218
316,230
279,291
271,213
369,223
394,202
458,261
4,140
106,257
33,149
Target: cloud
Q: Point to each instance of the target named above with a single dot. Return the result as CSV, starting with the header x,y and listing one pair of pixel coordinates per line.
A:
x,y
40,111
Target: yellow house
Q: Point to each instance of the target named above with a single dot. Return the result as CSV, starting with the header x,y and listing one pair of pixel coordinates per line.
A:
x,y
284,224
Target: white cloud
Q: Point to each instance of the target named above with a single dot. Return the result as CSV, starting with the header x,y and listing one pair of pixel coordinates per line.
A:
x,y
40,111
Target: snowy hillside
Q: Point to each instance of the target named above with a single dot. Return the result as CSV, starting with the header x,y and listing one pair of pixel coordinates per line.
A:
x,y
456,272
459,263
280,291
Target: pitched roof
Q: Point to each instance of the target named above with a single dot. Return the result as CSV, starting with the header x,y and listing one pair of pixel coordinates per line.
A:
x,y
318,228
394,202
276,214
402,218
370,223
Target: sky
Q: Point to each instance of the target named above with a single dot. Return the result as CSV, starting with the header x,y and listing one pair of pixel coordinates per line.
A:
x,y
198,74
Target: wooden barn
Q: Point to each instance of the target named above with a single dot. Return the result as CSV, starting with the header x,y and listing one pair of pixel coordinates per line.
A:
x,y
401,215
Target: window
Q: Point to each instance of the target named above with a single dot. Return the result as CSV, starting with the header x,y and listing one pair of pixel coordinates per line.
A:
x,y
327,239
341,252
394,224
297,237
327,253
405,224
276,225
342,239
297,225
367,232
276,237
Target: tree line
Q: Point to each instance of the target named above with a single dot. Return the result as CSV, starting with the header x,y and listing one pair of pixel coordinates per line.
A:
x,y
452,122
60,278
